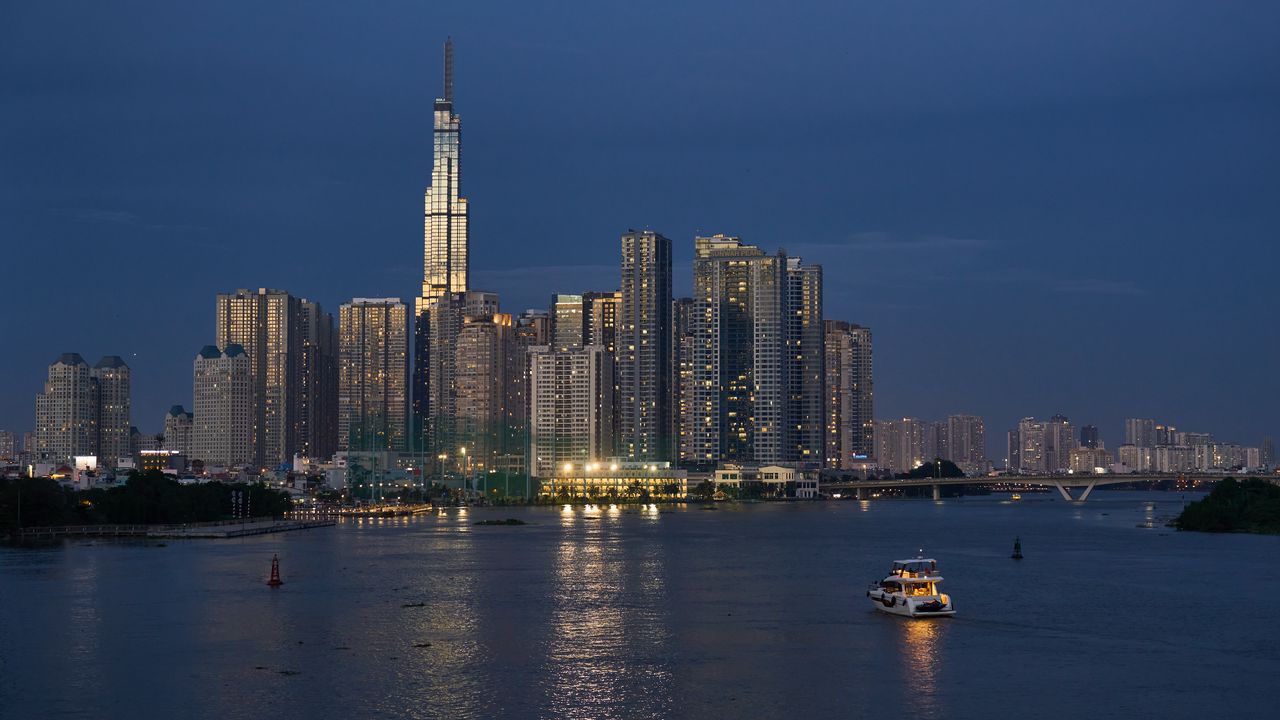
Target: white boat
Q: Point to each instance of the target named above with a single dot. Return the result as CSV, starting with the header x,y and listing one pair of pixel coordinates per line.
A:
x,y
911,590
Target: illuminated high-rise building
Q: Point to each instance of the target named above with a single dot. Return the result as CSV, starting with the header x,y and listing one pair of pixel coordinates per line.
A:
x,y
178,425
570,408
445,243
67,411
484,365
446,319
567,322
373,374
222,420
645,376
757,356
289,341
113,379
803,361
850,419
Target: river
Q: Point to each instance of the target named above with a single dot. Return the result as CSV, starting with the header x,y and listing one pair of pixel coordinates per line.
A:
x,y
741,611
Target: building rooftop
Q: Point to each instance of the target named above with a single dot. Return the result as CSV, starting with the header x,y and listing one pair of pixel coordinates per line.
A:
x,y
69,359
111,361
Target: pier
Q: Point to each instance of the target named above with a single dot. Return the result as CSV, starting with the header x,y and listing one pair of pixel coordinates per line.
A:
x,y
219,529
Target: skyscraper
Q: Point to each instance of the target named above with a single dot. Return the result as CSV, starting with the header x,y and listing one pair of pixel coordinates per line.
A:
x,y
289,342
966,443
900,444
222,430
682,346
485,361
570,407
567,324
1140,432
113,379
757,355
1089,436
67,411
804,361
446,317
645,375
850,419
178,424
373,374
315,426
445,242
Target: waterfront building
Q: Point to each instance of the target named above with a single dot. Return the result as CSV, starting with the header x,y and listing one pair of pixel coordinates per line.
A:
x,y
615,478
1173,458
1267,453
1140,432
567,322
803,362
768,481
570,408
373,374
1059,441
113,379
900,444
1089,436
484,365
682,344
178,424
849,422
644,356
1090,460
222,432
966,443
1136,458
446,258
290,345
315,427
447,316
67,411
757,356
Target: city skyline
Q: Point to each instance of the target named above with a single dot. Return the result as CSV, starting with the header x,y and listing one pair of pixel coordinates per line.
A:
x,y
905,384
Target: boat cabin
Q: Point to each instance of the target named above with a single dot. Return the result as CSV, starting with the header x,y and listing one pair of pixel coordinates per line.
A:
x,y
917,568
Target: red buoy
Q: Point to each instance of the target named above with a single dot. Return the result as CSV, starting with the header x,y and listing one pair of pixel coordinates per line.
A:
x,y
275,580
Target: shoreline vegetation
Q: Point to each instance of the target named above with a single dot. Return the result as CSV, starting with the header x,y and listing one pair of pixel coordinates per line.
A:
x,y
147,498
1235,506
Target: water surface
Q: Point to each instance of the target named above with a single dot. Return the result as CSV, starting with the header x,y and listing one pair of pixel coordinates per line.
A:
x,y
744,611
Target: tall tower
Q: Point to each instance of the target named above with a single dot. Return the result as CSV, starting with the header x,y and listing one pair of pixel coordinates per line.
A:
x,y
373,374
222,431
644,348
67,411
445,234
113,378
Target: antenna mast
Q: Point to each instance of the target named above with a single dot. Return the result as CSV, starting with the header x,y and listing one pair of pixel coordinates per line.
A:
x,y
448,70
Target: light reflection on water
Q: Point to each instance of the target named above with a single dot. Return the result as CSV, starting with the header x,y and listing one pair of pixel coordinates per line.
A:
x,y
922,640
609,598
749,612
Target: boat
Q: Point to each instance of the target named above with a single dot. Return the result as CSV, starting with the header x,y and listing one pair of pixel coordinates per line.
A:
x,y
911,590
1015,496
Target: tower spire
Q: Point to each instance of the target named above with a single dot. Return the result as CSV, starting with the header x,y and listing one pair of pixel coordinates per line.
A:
x,y
448,69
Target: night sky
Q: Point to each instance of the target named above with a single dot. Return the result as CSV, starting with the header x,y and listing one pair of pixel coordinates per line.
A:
x,y
1039,208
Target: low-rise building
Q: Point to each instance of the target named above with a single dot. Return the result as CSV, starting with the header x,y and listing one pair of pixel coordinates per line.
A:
x,y
616,479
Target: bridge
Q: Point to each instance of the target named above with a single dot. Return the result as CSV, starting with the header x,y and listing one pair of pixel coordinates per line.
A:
x,y
1063,483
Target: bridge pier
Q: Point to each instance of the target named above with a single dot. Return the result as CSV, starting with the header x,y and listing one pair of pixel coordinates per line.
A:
x,y
862,493
1066,494
937,492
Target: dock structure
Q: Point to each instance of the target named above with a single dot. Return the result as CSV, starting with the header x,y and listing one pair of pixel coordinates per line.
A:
x,y
221,529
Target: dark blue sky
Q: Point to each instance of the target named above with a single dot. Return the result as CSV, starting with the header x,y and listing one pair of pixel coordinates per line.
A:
x,y
1038,207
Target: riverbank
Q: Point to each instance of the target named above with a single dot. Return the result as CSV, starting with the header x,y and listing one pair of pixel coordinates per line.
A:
x,y
1235,506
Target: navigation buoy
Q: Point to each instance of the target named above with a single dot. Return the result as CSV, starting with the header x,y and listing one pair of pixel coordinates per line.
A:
x,y
1017,548
275,580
